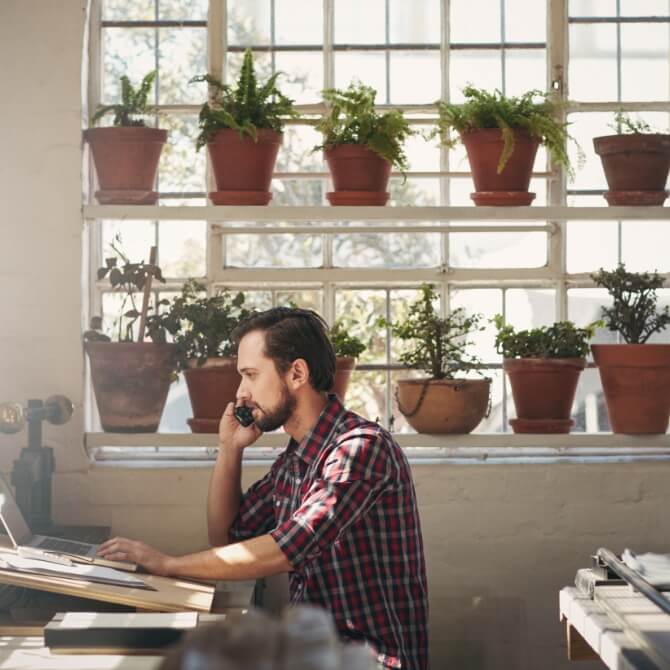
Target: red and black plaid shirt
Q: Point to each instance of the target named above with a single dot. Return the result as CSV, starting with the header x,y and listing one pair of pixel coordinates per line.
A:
x,y
341,506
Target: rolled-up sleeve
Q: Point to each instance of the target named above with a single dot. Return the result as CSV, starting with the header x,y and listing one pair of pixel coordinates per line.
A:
x,y
353,477
256,513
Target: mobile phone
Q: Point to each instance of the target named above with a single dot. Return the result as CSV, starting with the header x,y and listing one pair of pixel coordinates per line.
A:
x,y
243,415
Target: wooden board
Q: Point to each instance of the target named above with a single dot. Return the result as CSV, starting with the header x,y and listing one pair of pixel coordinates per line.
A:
x,y
171,595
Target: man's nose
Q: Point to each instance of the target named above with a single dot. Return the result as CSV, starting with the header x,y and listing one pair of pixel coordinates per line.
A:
x,y
242,394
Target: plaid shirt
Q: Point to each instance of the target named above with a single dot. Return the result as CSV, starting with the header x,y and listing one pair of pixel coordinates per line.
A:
x,y
341,506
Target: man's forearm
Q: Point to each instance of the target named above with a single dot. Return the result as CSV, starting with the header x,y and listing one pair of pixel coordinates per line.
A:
x,y
223,500
251,559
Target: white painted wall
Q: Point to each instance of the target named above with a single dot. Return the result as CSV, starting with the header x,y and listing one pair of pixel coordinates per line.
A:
x,y
500,539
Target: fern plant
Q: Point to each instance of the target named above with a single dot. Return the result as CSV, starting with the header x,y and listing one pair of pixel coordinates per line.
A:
x,y
624,124
245,107
133,105
352,119
534,112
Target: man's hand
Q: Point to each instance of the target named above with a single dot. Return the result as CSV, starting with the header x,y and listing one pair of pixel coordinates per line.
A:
x,y
232,434
122,549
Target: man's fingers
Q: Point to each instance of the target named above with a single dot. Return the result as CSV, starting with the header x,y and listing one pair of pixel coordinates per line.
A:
x,y
230,409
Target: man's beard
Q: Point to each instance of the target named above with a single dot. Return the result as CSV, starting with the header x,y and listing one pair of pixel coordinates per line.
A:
x,y
272,419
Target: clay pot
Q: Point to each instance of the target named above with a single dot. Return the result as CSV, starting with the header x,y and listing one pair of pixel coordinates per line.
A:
x,y
126,161
131,381
344,366
360,176
636,167
543,390
210,388
636,384
510,188
243,166
440,406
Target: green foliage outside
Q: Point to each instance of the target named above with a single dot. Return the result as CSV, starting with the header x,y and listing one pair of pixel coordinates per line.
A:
x,y
534,112
634,311
245,107
352,119
560,340
436,345
344,343
133,105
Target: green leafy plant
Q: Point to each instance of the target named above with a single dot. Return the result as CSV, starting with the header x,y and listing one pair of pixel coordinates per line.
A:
x,y
344,343
352,119
438,344
203,325
245,107
624,124
634,310
133,105
534,112
560,340
129,279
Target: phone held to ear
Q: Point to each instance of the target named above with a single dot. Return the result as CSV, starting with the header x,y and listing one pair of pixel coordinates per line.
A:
x,y
243,415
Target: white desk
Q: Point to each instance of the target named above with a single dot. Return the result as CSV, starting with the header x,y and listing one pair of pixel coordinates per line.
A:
x,y
622,628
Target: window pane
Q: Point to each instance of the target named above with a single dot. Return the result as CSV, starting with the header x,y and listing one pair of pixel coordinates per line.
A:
x,y
295,192
181,168
589,410
298,22
177,409
360,311
644,246
423,156
369,68
414,22
182,53
181,248
593,7
296,152
248,22
525,21
279,251
593,71
591,245
530,307
487,302
193,10
124,10
525,69
399,308
498,250
584,307
303,78
303,298
366,394
393,250
493,422
406,86
486,27
128,51
644,59
136,239
584,127
414,192
481,68
644,8
359,22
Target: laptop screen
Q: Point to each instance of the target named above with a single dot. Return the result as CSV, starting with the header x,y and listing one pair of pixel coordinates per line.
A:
x,y
12,519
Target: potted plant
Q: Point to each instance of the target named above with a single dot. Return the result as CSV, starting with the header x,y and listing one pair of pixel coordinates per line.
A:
x,y
636,375
543,365
361,145
242,128
131,379
501,135
203,326
347,348
126,154
444,402
636,162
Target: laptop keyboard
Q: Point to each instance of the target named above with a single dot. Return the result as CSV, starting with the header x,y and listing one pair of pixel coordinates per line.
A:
x,y
66,546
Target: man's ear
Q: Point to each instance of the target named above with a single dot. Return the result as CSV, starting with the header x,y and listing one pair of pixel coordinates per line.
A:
x,y
298,374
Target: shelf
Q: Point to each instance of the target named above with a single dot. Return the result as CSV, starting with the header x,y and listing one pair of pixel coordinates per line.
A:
x,y
307,214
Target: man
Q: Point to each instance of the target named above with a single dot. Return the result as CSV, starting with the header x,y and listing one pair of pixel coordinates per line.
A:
x,y
337,510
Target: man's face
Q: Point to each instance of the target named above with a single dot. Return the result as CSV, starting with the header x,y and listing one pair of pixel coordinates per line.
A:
x,y
262,389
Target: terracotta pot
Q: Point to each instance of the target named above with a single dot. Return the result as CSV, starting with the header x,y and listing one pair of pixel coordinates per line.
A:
x,y
344,366
636,167
484,147
636,383
443,405
360,176
210,388
243,167
126,161
543,390
131,381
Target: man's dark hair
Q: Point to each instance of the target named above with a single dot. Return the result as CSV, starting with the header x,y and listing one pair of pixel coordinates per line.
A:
x,y
292,333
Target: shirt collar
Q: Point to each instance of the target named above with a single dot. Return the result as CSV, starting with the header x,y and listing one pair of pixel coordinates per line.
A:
x,y
315,439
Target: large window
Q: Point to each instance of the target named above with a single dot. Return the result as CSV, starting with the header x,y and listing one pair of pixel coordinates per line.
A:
x,y
599,54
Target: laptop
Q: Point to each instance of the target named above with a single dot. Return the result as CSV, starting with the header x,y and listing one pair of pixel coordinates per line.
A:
x,y
22,537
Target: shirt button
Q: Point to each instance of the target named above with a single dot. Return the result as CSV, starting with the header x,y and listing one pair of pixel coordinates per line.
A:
x,y
278,503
